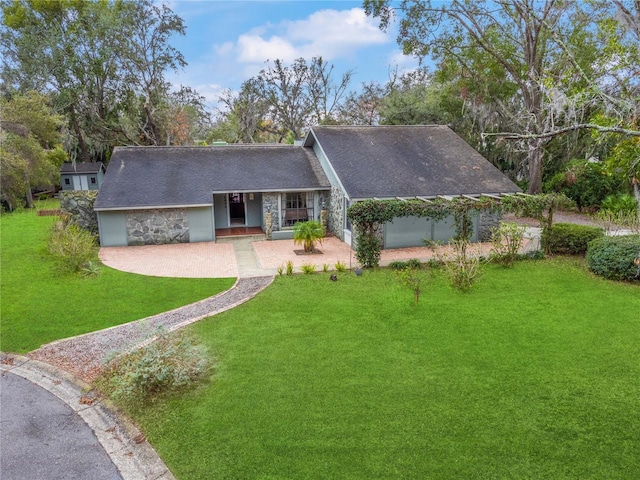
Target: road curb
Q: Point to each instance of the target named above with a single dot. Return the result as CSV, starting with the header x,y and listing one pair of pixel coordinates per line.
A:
x,y
127,447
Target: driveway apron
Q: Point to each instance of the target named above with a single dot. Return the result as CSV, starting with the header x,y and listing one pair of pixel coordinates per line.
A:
x,y
43,438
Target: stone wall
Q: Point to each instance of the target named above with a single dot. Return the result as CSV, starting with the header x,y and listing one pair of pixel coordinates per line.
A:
x,y
335,213
78,204
488,220
270,204
157,227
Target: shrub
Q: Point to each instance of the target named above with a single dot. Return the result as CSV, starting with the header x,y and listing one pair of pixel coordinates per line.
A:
x,y
72,245
463,269
368,249
289,267
325,267
506,241
571,239
308,268
614,257
340,267
174,361
402,264
620,203
280,270
411,278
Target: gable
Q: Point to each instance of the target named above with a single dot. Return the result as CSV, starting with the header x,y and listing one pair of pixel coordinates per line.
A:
x,y
406,161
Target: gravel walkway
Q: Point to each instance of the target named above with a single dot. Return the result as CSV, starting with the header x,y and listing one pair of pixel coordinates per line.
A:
x,y
84,355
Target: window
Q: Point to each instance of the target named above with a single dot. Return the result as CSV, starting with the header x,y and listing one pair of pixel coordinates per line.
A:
x,y
298,207
93,180
67,181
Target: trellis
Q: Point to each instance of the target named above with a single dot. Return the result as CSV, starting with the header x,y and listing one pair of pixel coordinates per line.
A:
x,y
367,215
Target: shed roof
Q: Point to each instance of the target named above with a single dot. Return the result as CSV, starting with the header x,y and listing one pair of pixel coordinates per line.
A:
x,y
139,177
70,168
406,161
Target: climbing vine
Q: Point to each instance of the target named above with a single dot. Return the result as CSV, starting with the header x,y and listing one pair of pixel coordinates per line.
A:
x,y
368,215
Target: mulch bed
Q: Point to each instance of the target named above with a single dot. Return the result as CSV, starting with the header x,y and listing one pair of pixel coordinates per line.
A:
x,y
49,213
302,252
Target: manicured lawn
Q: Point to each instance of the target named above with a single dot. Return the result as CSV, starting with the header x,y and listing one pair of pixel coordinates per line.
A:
x,y
532,375
40,304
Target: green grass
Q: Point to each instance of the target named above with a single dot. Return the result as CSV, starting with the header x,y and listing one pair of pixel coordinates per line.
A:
x,y
531,375
40,303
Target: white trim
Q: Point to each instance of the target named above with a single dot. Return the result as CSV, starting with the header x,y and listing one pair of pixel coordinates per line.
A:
x,y
328,161
151,207
273,190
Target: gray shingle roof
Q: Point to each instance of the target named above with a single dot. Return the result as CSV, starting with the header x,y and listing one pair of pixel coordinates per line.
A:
x,y
88,167
180,176
407,161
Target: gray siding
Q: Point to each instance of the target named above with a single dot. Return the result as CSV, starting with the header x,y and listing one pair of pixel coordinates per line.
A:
x,y
201,224
253,209
81,181
220,207
113,229
411,231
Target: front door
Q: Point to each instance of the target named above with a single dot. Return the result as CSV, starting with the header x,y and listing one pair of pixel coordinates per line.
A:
x,y
237,214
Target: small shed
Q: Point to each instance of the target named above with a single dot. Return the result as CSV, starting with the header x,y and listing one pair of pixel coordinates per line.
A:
x,y
82,176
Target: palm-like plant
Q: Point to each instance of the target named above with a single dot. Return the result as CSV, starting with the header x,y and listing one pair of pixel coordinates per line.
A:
x,y
306,233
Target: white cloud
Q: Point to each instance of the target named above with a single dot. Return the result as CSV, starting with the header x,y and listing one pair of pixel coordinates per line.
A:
x,y
255,49
328,33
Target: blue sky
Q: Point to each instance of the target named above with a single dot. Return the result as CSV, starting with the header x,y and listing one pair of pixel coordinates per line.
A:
x,y
228,41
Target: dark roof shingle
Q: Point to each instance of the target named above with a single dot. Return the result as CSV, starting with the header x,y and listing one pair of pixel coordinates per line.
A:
x,y
85,167
407,161
180,176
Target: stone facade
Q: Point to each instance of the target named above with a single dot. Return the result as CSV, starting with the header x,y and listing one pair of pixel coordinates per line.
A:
x,y
78,204
270,204
156,227
487,222
335,213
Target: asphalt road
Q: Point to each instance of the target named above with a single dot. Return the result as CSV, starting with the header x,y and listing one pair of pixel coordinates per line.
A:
x,y
42,438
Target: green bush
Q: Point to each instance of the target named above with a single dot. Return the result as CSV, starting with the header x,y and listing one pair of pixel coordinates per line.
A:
x,y
614,257
340,266
506,241
308,268
368,249
586,183
620,203
72,245
413,263
173,361
463,269
571,239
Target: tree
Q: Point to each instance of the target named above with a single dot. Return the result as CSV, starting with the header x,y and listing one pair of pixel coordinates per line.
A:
x,y
295,96
104,61
307,233
147,55
29,134
363,108
534,62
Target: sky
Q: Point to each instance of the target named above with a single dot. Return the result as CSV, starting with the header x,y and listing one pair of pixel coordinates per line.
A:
x,y
229,41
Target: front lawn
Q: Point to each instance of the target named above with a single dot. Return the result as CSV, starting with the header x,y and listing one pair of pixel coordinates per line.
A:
x,y
40,304
532,375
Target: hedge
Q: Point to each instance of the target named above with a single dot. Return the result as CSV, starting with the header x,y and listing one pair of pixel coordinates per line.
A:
x,y
614,257
572,239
